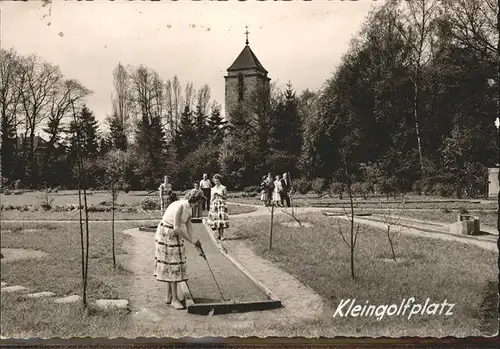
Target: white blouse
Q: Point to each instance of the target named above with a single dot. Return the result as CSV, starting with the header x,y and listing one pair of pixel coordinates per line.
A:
x,y
173,208
218,189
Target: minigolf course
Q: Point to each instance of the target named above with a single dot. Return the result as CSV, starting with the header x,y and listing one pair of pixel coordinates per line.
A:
x,y
218,284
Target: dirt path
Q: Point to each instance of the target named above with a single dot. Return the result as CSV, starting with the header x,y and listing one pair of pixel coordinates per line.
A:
x,y
301,304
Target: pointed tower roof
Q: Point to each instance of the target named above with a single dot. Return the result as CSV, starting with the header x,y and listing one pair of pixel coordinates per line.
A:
x,y
247,60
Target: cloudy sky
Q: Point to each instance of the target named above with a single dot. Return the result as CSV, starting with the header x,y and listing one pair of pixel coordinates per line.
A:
x,y
301,42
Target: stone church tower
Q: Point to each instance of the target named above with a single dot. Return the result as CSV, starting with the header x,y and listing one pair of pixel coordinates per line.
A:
x,y
244,77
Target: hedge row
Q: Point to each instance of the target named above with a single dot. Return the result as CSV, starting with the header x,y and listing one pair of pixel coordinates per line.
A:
x,y
390,187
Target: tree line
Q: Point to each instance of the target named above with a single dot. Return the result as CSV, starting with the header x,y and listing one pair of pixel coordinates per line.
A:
x,y
154,125
410,107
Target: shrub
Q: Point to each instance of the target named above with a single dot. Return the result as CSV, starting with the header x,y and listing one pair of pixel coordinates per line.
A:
x,y
337,188
252,189
442,189
417,187
426,187
388,187
7,192
301,185
318,186
16,208
366,188
94,208
150,205
46,206
357,188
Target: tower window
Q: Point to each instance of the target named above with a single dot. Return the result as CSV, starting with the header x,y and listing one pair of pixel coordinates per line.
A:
x,y
240,87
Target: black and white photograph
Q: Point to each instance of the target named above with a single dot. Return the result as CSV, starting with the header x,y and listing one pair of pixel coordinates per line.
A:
x,y
174,169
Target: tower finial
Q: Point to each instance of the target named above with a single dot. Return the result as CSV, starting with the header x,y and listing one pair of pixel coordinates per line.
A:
x,y
246,33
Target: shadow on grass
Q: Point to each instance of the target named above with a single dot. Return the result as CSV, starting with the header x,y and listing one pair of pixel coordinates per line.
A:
x,y
18,227
488,313
236,238
483,233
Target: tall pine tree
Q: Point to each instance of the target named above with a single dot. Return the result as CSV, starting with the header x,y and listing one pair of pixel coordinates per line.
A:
x,y
86,128
200,123
186,138
8,149
285,136
117,136
84,139
216,126
151,148
285,128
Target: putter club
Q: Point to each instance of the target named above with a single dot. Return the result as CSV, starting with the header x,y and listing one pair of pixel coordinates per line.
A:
x,y
202,253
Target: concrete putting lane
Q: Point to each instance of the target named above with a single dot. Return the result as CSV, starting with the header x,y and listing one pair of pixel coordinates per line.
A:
x,y
234,284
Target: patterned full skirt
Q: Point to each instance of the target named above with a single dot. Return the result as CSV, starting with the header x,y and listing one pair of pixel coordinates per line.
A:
x,y
218,216
170,255
167,200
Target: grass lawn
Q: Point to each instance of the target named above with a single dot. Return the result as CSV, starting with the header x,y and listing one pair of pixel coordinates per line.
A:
x,y
60,272
234,209
439,270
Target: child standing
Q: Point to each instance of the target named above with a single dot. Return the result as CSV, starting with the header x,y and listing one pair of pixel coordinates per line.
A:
x,y
263,191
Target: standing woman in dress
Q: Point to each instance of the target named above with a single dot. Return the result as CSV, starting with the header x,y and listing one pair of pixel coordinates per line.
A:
x,y
174,228
165,194
277,191
218,216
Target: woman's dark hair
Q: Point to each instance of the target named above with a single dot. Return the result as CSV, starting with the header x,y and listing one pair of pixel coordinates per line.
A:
x,y
217,176
195,196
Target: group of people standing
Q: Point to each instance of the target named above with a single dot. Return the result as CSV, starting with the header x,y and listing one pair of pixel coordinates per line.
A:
x,y
276,191
176,227
213,200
